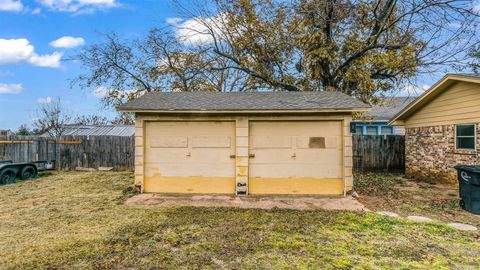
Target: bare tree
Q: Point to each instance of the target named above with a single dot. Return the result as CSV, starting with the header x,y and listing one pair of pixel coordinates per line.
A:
x,y
124,118
51,118
92,119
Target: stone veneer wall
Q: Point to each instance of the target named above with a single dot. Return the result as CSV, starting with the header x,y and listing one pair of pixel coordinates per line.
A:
x,y
431,154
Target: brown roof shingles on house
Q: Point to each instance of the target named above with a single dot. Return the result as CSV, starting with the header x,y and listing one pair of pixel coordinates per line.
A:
x,y
244,101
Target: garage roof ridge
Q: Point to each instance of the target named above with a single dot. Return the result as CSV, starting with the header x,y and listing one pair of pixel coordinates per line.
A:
x,y
244,101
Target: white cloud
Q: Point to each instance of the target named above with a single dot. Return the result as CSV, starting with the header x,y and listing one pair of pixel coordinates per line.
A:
x,y
173,20
36,11
194,31
12,88
44,100
101,92
79,6
49,60
11,5
13,51
412,90
67,42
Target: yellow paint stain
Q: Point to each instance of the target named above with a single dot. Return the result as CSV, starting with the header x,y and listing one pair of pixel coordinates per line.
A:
x,y
191,184
305,186
242,171
241,161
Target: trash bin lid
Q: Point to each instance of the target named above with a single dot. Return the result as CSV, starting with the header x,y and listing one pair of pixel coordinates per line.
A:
x,y
469,168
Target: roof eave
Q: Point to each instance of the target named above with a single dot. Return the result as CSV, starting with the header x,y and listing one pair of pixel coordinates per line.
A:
x,y
241,111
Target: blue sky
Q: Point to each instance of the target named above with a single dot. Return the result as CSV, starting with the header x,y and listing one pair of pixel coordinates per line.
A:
x,y
27,77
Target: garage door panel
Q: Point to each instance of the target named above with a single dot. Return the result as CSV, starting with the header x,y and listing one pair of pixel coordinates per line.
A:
x,y
211,142
168,141
322,157
186,157
183,184
318,142
196,170
296,158
271,142
285,170
296,186
311,161
166,154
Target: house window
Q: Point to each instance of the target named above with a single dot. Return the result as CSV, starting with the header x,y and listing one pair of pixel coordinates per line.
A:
x,y
358,129
371,130
386,130
465,137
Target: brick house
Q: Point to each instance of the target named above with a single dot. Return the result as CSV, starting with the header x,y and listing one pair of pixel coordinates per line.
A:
x,y
442,128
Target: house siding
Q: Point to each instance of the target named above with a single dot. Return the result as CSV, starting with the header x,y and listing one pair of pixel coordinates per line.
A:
x,y
460,103
431,154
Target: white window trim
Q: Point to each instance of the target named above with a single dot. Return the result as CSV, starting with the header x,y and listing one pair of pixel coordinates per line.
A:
x,y
474,137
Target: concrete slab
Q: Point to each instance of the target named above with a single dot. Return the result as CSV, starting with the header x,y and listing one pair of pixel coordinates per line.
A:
x,y
420,219
387,213
261,202
462,226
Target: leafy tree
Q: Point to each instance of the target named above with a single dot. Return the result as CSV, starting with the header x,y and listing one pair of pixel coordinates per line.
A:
x,y
365,49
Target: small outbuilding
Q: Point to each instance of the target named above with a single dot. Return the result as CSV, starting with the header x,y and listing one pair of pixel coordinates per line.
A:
x,y
244,142
442,128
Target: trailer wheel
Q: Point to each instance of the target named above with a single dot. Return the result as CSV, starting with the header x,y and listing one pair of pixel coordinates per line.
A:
x,y
7,176
28,172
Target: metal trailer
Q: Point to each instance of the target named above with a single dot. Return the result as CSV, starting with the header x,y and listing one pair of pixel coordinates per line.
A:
x,y
9,171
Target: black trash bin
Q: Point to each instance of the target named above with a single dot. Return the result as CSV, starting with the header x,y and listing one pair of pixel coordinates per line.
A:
x,y
469,184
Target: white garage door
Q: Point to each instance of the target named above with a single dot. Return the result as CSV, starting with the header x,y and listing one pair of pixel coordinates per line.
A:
x,y
296,157
190,157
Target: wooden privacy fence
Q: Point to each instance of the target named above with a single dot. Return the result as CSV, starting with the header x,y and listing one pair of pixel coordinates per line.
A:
x,y
95,151
70,152
370,152
378,153
26,149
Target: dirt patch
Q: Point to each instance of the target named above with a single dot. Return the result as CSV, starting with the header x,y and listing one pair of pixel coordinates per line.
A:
x,y
409,197
249,202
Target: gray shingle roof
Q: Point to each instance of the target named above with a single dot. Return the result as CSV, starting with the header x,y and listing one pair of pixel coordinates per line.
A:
x,y
390,107
242,101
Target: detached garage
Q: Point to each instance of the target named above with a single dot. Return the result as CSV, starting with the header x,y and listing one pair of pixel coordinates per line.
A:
x,y
244,143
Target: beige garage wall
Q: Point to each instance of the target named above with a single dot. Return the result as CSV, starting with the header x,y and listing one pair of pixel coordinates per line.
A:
x,y
242,141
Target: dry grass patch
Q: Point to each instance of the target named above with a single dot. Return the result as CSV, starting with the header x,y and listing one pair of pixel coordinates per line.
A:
x,y
409,197
80,221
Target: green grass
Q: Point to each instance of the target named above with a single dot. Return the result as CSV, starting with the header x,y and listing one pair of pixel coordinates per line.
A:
x,y
80,221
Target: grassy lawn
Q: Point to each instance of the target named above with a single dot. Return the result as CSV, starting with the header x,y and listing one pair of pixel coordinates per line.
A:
x,y
80,221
